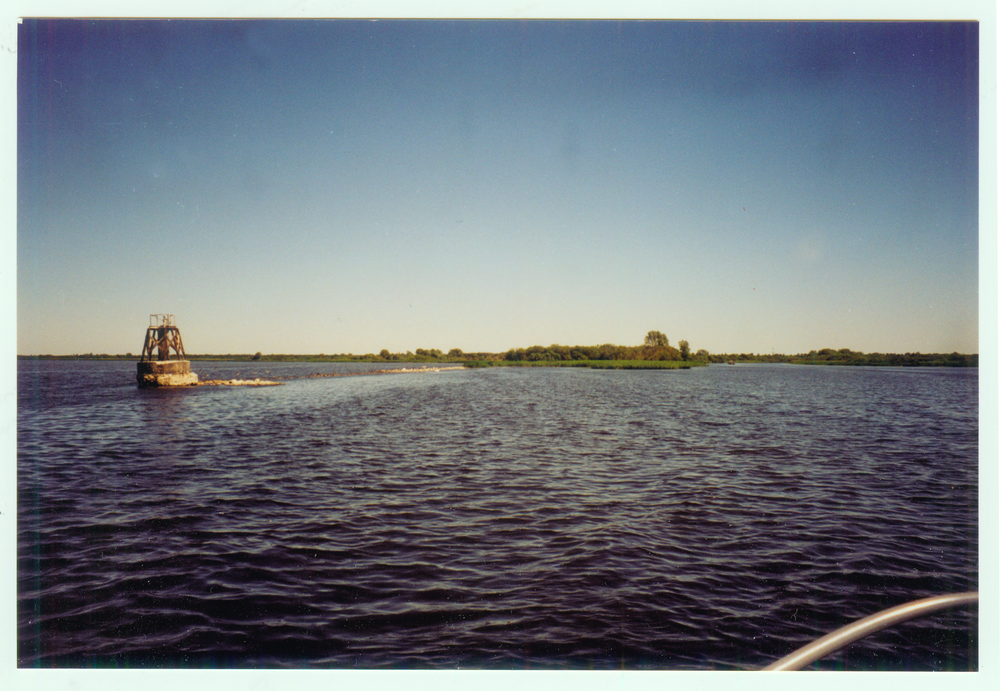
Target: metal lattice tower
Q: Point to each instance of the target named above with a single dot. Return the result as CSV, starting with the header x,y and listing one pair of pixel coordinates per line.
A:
x,y
163,336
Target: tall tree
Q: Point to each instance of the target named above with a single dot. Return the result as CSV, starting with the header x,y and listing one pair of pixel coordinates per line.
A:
x,y
656,338
685,350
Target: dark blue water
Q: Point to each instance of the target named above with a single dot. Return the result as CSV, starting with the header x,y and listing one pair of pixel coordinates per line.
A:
x,y
713,518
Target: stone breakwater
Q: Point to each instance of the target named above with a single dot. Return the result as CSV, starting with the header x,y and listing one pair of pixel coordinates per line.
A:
x,y
268,382
401,370
238,382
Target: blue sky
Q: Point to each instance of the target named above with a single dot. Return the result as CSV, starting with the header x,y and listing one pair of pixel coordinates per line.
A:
x,y
348,186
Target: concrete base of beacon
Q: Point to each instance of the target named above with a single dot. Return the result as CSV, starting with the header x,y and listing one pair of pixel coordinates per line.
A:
x,y
165,373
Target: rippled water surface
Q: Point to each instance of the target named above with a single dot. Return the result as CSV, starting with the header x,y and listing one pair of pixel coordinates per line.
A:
x,y
713,518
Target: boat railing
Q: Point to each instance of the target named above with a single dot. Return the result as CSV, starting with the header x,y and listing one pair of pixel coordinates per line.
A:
x,y
845,635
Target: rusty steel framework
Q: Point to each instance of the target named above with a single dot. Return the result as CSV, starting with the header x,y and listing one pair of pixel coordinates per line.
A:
x,y
162,335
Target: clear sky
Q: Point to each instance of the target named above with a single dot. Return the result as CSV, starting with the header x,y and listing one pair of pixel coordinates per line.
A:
x,y
351,185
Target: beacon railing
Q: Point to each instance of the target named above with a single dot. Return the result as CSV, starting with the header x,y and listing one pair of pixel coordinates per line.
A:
x,y
848,634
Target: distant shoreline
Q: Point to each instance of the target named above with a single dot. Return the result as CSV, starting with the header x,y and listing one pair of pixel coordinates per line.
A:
x,y
825,357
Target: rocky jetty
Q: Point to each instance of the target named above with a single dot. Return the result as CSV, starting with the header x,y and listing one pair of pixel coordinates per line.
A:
x,y
239,382
396,370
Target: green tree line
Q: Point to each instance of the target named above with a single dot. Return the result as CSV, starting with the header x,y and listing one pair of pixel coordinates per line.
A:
x,y
654,347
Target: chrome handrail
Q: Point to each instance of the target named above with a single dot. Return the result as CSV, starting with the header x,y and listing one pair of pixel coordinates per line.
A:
x,y
862,627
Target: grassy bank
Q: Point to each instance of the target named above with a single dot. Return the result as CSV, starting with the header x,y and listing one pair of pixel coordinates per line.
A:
x,y
591,364
889,360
